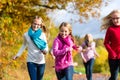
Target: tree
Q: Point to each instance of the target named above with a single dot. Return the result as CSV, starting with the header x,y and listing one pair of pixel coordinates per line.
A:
x,y
19,13
25,9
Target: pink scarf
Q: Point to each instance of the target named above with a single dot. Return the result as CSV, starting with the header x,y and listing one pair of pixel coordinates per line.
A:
x,y
65,41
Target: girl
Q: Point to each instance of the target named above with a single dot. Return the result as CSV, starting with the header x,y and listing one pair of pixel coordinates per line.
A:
x,y
112,41
62,50
37,45
88,55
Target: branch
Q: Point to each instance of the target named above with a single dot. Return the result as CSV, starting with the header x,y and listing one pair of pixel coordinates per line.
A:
x,y
52,7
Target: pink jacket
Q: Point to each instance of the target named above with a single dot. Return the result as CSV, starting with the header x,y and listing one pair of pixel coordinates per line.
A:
x,y
63,55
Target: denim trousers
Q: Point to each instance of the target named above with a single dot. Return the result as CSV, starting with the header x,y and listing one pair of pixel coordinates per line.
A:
x,y
65,74
36,71
114,65
88,68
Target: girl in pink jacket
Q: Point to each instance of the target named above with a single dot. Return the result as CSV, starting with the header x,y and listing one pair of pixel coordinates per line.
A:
x,y
62,50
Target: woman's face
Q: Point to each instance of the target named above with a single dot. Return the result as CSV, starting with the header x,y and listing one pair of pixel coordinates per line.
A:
x,y
89,37
64,32
116,19
36,24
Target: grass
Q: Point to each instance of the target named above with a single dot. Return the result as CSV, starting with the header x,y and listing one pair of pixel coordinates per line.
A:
x,y
79,69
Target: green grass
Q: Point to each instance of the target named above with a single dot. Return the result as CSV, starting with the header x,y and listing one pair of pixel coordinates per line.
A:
x,y
79,69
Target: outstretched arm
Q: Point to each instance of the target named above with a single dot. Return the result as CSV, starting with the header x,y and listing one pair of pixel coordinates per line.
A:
x,y
21,49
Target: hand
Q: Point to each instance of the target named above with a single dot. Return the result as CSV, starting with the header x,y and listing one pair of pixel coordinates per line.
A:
x,y
75,64
79,48
97,55
83,50
69,49
44,52
84,61
15,57
88,48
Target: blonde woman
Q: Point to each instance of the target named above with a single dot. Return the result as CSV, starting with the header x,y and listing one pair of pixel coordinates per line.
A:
x,y
88,55
112,41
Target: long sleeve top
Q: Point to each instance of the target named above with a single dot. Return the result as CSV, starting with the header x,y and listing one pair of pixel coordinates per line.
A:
x,y
89,51
62,58
112,42
34,54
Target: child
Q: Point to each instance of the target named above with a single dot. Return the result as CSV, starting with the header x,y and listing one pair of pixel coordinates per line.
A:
x,y
112,41
36,42
62,50
88,55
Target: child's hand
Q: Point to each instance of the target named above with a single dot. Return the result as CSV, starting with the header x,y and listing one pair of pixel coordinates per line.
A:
x,y
97,55
89,48
75,64
71,48
84,60
79,48
68,48
44,52
15,57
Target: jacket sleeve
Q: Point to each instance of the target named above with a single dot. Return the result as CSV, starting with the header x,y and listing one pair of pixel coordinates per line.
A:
x,y
107,44
22,47
94,49
57,51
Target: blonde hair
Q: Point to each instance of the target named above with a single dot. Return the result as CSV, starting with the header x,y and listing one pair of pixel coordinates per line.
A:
x,y
107,21
65,24
88,37
43,27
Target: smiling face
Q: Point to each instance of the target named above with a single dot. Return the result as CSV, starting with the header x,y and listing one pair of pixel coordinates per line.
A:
x,y
116,18
64,31
36,24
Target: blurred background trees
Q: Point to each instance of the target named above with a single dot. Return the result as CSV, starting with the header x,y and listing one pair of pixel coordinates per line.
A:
x,y
15,19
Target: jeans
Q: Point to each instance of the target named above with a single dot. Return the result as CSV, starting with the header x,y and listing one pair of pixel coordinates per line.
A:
x,y
36,71
88,68
114,68
65,74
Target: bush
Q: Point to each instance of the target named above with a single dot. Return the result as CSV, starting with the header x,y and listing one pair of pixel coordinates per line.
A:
x,y
101,63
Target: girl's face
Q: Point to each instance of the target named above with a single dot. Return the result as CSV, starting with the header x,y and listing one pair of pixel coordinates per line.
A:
x,y
116,18
64,32
36,24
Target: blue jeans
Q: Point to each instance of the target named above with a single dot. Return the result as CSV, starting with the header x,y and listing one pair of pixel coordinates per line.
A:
x,y
36,71
114,68
88,68
65,74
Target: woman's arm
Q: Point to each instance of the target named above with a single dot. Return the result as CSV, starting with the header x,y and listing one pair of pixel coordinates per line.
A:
x,y
84,60
107,43
21,49
43,37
